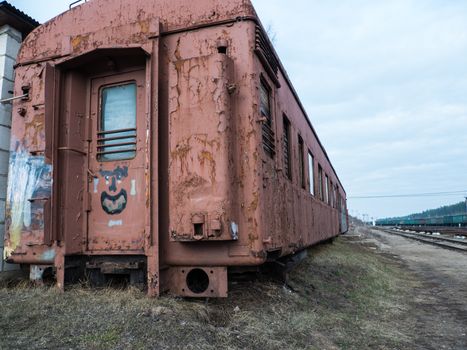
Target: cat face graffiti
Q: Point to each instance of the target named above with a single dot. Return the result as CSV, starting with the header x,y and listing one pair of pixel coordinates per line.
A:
x,y
115,200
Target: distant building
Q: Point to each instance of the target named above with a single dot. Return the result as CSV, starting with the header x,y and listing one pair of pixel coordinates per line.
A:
x,y
14,27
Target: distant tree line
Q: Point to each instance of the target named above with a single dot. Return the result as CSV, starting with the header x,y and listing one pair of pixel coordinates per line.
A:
x,y
458,208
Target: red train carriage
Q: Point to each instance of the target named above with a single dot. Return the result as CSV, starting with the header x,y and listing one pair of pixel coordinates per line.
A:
x,y
162,140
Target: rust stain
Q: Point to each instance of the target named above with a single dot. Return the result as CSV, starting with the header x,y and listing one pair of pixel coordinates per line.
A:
x,y
203,139
177,50
144,26
181,152
206,156
184,189
253,237
79,41
254,203
34,132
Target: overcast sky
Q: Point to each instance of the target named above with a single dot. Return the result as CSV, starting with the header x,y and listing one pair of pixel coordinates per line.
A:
x,y
385,85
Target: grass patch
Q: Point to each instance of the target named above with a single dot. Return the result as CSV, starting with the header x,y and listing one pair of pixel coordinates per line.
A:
x,y
355,293
343,296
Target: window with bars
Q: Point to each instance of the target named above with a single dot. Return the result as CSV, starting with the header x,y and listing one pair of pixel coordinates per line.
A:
x,y
287,166
117,134
335,197
331,194
301,164
326,191
338,195
265,109
320,183
311,173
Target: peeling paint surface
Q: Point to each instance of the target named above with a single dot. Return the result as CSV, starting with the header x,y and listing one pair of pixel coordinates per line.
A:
x,y
48,255
234,230
113,223
201,165
96,184
29,186
133,188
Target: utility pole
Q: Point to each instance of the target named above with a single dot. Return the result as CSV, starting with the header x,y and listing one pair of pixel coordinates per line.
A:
x,y
466,204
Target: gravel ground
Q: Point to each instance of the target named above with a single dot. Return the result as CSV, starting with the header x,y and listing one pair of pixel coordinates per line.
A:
x,y
439,299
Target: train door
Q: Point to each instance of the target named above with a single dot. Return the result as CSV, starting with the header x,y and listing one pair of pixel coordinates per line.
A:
x,y
117,157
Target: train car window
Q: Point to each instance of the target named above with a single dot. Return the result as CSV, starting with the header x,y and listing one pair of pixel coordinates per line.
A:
x,y
326,192
311,173
338,204
320,183
287,167
117,134
335,196
333,193
267,129
301,164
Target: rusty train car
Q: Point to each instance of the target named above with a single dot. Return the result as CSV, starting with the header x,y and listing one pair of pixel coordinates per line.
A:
x,y
162,140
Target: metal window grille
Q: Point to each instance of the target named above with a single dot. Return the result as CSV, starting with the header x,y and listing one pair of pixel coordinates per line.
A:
x,y
301,162
267,128
264,49
286,150
320,183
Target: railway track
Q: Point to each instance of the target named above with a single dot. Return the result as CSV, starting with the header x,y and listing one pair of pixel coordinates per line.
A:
x,y
444,242
441,229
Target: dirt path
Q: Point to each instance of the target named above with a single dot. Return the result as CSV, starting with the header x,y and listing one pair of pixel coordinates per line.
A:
x,y
438,312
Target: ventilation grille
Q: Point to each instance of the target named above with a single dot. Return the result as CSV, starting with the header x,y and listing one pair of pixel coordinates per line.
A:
x,y
266,113
268,140
265,52
287,148
116,144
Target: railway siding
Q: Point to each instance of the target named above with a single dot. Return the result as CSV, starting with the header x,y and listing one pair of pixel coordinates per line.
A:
x,y
444,242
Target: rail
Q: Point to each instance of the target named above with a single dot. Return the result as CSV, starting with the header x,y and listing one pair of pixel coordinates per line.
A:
x,y
443,242
441,229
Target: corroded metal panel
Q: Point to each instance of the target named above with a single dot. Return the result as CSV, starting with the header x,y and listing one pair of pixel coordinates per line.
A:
x,y
30,175
117,212
239,156
202,170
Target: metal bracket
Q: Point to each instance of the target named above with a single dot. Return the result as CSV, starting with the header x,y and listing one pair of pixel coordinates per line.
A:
x,y
32,200
94,176
72,150
10,99
75,2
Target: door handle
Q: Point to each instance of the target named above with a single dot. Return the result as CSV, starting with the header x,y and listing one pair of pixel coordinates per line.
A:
x,y
72,150
91,174
38,199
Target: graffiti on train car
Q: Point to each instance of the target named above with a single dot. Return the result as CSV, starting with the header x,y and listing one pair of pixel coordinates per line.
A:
x,y
29,188
115,204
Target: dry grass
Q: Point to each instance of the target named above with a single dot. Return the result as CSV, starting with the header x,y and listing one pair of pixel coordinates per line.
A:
x,y
342,296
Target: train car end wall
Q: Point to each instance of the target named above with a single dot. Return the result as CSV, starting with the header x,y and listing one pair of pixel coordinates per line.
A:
x,y
14,26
